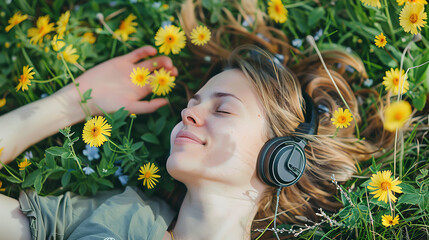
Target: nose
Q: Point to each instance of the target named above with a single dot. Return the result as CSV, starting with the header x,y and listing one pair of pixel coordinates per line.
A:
x,y
189,117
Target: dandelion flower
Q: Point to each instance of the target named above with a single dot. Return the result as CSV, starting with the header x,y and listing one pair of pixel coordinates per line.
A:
x,y
401,2
380,40
372,3
396,115
383,184
95,131
200,35
342,118
1,150
277,11
140,76
126,27
24,80
412,17
2,189
148,175
171,39
62,22
22,165
388,220
69,54
162,82
88,37
16,19
2,103
43,28
57,43
391,81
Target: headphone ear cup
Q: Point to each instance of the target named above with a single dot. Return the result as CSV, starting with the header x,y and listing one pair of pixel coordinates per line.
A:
x,y
281,161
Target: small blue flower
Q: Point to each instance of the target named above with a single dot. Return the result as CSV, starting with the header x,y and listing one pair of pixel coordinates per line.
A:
x,y
112,4
123,179
91,152
278,58
318,34
133,1
43,95
165,23
118,172
88,170
260,35
156,4
368,82
349,49
248,23
297,43
350,69
28,155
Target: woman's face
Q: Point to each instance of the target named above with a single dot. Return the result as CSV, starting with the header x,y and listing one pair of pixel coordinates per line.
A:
x,y
221,133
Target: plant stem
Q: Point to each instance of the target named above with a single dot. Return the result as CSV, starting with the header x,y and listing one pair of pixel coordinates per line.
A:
x,y
48,80
17,178
389,21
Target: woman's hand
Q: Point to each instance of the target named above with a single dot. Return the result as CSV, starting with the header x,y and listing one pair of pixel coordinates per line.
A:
x,y
112,87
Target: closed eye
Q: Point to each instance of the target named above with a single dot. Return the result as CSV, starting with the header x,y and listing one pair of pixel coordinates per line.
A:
x,y
224,112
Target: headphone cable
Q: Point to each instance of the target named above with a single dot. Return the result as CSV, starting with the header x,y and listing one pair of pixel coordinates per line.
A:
x,y
275,214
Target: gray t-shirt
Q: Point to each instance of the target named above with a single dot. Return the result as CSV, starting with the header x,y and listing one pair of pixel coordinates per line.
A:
x,y
108,215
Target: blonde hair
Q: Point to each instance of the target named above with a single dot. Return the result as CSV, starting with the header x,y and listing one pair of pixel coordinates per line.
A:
x,y
279,90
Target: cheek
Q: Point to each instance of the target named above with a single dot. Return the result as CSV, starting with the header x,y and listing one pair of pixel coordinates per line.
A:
x,y
174,132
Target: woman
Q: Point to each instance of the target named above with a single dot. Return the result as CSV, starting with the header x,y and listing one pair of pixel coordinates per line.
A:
x,y
214,152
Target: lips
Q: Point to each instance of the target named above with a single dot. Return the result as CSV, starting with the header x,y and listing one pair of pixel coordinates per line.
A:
x,y
188,137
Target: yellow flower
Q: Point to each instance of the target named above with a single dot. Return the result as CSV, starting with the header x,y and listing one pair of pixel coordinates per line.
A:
x,y
342,118
412,17
69,54
401,2
388,220
396,115
2,103
200,35
7,44
62,22
380,40
24,80
43,28
171,39
162,82
277,11
15,20
57,43
372,3
140,76
126,27
164,6
2,189
391,81
95,131
88,37
1,150
148,175
22,165
383,184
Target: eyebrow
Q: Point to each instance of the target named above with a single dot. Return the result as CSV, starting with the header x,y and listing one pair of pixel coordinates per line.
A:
x,y
197,97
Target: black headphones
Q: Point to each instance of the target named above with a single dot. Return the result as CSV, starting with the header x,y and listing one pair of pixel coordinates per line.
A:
x,y
281,161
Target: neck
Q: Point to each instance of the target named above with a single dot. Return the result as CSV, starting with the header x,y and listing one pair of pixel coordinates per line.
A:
x,y
223,214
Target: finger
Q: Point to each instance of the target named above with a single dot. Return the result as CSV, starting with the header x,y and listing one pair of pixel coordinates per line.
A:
x,y
157,63
147,106
140,53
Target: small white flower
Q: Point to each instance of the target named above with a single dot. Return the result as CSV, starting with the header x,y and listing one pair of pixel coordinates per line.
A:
x,y
349,49
297,43
260,35
104,170
8,2
207,58
368,82
248,23
156,4
13,58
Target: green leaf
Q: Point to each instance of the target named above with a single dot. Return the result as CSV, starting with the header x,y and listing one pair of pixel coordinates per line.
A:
x,y
31,178
38,183
159,125
50,161
82,189
315,15
407,188
12,179
65,179
409,198
87,95
56,151
420,101
151,138
105,182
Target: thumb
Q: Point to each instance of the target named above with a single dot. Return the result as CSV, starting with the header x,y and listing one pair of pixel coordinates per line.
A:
x,y
147,106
